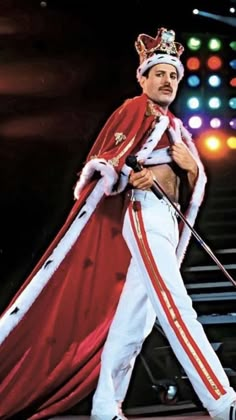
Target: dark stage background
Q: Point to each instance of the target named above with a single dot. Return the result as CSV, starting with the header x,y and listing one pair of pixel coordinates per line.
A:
x,y
64,67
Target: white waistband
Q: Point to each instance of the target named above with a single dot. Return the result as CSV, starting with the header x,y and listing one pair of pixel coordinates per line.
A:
x,y
144,194
149,195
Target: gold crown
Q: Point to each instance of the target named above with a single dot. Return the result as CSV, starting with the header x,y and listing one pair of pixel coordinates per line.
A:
x,y
164,42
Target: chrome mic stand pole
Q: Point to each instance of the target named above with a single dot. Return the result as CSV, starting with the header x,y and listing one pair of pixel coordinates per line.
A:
x,y
132,162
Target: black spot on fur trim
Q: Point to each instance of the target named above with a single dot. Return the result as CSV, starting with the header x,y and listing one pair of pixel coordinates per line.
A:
x,y
15,310
82,214
47,263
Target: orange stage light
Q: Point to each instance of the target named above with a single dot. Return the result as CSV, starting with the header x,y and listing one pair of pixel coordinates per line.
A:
x,y
212,144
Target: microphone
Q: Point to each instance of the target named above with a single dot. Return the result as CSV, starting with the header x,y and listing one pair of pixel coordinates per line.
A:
x,y
133,163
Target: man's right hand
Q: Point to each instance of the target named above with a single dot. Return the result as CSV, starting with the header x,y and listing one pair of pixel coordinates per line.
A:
x,y
142,180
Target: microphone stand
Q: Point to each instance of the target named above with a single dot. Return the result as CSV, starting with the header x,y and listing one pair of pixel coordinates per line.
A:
x,y
132,162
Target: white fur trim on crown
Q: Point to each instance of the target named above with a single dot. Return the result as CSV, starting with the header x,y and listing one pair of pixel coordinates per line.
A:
x,y
159,59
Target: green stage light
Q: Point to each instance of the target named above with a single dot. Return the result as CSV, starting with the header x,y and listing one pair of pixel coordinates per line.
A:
x,y
214,44
233,45
194,43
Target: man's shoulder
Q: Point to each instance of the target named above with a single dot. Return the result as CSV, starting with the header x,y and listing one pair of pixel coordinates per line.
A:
x,y
133,105
135,100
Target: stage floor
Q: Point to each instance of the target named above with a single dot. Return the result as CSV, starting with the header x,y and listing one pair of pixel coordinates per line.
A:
x,y
188,412
195,416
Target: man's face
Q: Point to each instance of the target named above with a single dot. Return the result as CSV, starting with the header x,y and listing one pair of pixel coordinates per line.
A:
x,y
161,84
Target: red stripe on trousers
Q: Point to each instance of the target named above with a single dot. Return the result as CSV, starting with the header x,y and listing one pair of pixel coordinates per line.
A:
x,y
176,311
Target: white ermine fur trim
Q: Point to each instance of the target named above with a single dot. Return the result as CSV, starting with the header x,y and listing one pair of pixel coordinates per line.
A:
x,y
123,180
175,133
158,59
158,156
106,170
154,138
25,300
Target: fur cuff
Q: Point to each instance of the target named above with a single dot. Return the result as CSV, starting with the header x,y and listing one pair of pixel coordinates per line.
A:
x,y
106,171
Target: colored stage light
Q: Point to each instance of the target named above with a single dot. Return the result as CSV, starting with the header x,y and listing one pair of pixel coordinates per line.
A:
x,y
193,80
232,82
212,144
193,102
232,64
208,98
214,62
232,103
231,142
214,44
195,122
214,80
214,102
233,45
193,63
215,122
194,43
232,123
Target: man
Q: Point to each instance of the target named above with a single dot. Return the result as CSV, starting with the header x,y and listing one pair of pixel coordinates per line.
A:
x,y
154,286
114,266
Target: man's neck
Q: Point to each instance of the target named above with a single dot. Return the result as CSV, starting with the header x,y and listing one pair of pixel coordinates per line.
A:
x,y
158,108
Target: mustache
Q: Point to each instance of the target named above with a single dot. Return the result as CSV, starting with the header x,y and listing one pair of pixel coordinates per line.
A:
x,y
166,87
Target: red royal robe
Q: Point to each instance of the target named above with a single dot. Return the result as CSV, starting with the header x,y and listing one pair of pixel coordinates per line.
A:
x,y
52,335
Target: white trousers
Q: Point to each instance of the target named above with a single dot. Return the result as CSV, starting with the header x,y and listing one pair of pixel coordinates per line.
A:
x,y
154,288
